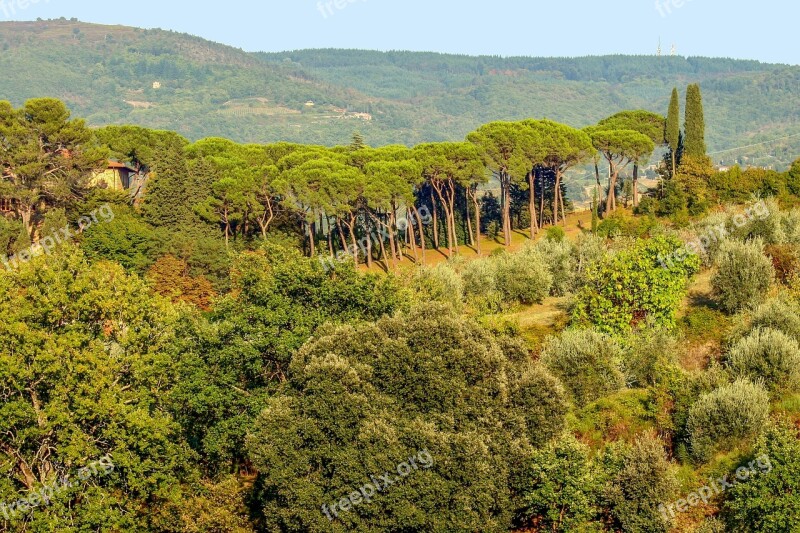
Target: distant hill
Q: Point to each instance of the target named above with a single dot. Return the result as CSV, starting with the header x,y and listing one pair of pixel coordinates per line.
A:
x,y
162,79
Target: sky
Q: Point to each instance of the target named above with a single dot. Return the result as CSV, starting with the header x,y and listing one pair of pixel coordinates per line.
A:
x,y
744,30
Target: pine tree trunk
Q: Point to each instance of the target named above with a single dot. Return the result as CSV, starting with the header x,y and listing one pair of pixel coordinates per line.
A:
x,y
469,225
311,233
506,180
435,222
556,198
477,222
454,229
532,204
351,228
421,228
411,236
369,242
448,218
541,203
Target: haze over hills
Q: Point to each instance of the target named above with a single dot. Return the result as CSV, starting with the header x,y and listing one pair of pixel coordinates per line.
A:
x,y
162,79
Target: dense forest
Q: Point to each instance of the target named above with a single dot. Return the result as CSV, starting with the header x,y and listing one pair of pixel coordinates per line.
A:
x,y
294,337
165,80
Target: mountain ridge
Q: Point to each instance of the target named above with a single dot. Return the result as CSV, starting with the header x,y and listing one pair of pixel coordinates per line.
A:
x,y
171,80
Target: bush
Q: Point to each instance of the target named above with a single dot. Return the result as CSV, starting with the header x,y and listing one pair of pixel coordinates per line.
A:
x,y
618,417
480,284
523,277
769,502
588,250
710,233
744,275
650,352
439,284
770,356
785,260
560,263
560,489
542,401
555,233
761,221
790,225
732,412
621,223
640,480
779,314
587,363
711,525
645,281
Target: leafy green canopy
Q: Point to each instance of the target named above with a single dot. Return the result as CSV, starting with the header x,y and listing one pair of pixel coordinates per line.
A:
x,y
635,285
86,365
649,124
231,362
361,399
46,158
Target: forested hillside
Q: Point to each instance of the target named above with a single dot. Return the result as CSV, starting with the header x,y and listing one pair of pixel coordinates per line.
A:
x,y
107,74
345,335
288,337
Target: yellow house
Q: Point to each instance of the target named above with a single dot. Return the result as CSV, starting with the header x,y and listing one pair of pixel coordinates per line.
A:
x,y
116,177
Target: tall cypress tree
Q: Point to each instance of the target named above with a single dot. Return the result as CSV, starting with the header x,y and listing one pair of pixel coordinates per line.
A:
x,y
167,200
673,129
695,141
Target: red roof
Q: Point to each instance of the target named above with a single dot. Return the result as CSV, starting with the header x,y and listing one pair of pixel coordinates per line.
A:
x,y
118,165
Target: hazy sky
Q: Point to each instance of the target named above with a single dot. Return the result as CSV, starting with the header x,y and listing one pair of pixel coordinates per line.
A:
x,y
761,29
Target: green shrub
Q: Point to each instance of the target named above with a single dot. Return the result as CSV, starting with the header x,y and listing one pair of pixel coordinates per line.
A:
x,y
588,250
493,230
703,323
767,356
640,480
619,416
790,225
555,233
560,263
541,400
674,202
710,233
587,363
621,223
781,314
649,353
730,413
480,284
744,275
645,281
362,398
768,502
560,488
439,284
523,277
760,221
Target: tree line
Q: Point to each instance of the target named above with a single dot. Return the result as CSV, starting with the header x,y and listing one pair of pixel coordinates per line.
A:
x,y
375,204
